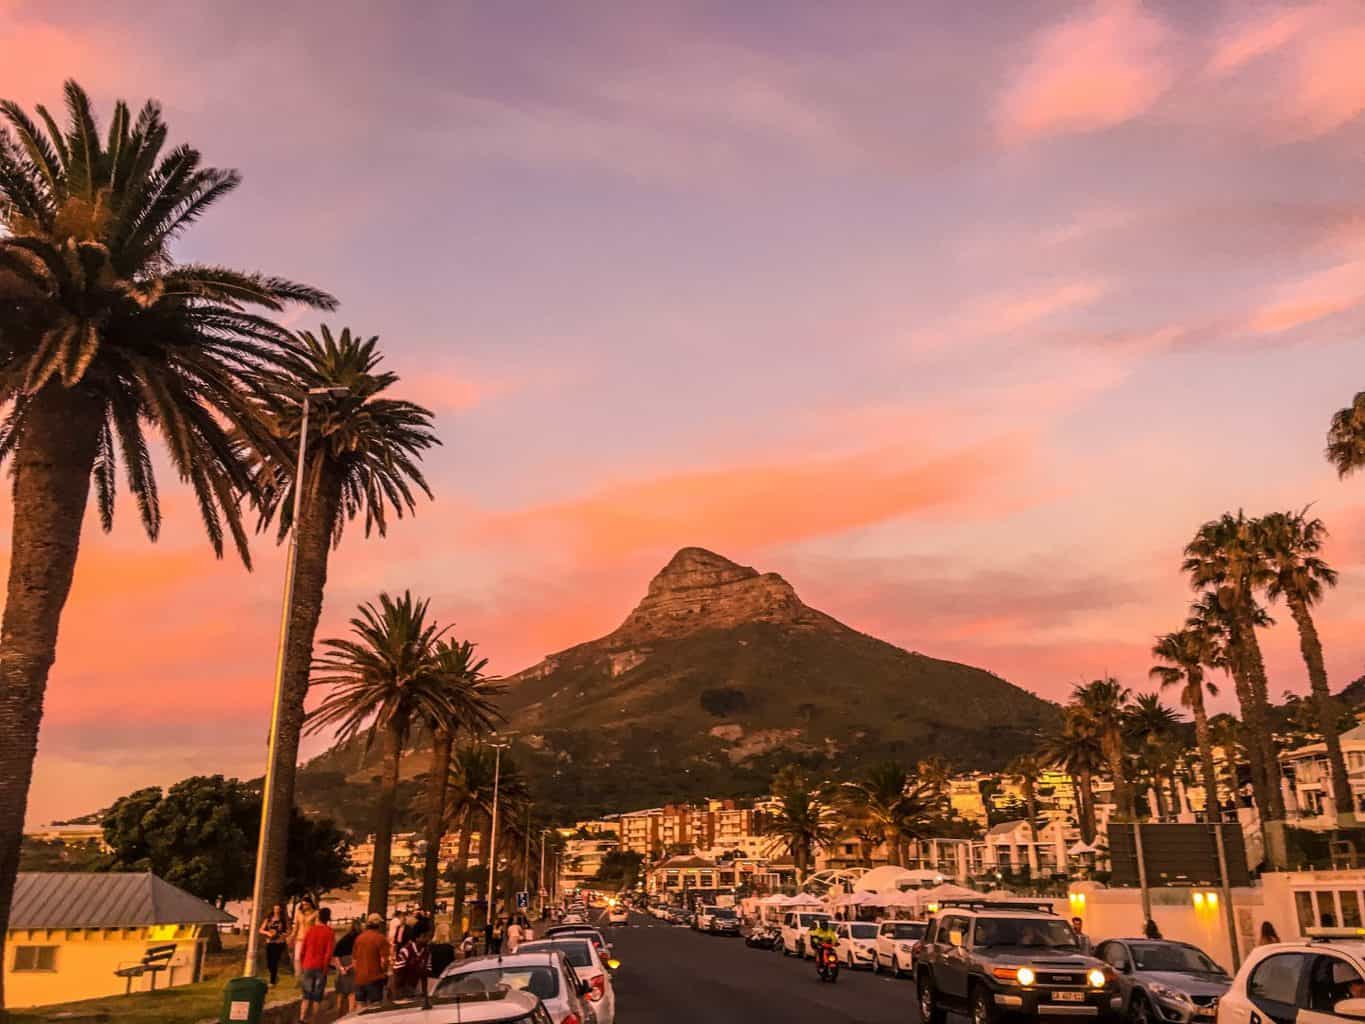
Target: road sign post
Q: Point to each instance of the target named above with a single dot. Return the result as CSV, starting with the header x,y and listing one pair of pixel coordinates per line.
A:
x,y
523,899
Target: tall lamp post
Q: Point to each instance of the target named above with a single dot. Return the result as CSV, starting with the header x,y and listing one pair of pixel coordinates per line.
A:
x,y
268,786
541,877
493,832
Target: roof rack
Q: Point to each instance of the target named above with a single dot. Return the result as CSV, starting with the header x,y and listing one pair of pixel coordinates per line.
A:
x,y
1328,934
1038,906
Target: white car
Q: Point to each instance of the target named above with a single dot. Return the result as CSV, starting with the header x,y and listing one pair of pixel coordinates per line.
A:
x,y
857,943
584,958
618,915
796,926
1315,981
547,976
502,1007
896,945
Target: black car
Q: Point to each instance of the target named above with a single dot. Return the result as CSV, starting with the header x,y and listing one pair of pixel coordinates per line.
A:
x,y
993,959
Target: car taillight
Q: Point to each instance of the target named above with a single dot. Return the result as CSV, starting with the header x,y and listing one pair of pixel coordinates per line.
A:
x,y
571,1018
599,987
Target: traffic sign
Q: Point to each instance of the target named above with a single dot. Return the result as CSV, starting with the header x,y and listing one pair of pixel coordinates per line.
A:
x,y
523,900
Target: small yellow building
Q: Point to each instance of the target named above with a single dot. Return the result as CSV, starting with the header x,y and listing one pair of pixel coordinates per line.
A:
x,y
71,933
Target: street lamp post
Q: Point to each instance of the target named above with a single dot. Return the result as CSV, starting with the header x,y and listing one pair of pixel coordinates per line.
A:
x,y
267,787
541,877
493,832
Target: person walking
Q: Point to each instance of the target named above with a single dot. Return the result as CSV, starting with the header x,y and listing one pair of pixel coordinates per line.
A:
x,y
275,930
513,935
343,960
412,966
1082,939
370,961
304,919
315,959
499,933
442,951
1269,936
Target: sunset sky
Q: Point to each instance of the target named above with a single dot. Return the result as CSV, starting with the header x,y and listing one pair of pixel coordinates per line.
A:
x,y
962,317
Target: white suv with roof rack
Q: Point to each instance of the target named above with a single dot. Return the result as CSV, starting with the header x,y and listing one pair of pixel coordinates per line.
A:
x,y
1317,980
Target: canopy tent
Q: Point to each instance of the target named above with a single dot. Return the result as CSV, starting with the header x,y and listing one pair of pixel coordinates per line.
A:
x,y
860,899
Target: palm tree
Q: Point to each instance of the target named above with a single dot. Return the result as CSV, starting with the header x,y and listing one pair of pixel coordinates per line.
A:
x,y
1151,725
1075,746
457,667
383,681
1183,656
1227,558
1346,437
1104,702
364,450
1292,543
470,801
1024,771
896,803
803,823
106,337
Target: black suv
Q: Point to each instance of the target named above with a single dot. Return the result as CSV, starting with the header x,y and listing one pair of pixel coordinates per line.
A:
x,y
997,958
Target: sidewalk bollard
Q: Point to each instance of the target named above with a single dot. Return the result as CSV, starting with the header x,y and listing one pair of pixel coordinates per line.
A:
x,y
243,1000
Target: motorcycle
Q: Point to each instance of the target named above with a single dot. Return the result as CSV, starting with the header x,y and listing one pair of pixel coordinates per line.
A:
x,y
827,962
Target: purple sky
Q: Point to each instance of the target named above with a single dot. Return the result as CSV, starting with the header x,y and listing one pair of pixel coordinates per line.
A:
x,y
961,320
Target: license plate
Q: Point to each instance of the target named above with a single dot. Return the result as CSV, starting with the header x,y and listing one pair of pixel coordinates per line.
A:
x,y
1068,997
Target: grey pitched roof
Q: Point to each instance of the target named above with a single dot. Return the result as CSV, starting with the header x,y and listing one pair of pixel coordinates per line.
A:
x,y
79,899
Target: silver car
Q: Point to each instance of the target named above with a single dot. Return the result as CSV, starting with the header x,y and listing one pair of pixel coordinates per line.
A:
x,y
1165,982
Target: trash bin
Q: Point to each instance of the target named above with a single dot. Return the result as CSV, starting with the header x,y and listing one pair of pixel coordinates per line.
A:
x,y
243,1000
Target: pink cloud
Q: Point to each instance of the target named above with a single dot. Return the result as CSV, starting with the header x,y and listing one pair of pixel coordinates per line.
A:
x,y
1310,299
1105,66
1258,36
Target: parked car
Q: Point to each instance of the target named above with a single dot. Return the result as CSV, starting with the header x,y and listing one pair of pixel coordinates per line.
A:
x,y
1165,981
989,958
547,975
721,921
1320,980
857,943
501,1007
896,942
588,964
796,926
582,931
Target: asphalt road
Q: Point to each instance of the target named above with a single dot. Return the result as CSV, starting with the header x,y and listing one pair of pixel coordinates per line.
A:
x,y
673,975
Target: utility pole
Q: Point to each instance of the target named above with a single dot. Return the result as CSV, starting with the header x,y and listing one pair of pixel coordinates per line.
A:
x,y
526,856
540,889
493,832
1227,897
1142,874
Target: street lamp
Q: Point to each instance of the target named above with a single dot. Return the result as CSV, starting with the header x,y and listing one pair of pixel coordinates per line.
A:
x,y
493,830
267,790
541,877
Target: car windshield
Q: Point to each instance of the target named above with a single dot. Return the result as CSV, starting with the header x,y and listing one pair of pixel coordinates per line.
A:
x,y
1167,956
541,981
1037,933
863,931
905,931
810,920
722,912
577,951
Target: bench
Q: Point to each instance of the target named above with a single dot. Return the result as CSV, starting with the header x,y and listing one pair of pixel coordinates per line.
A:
x,y
155,960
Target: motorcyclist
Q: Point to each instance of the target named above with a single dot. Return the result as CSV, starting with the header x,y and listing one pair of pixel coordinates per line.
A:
x,y
822,934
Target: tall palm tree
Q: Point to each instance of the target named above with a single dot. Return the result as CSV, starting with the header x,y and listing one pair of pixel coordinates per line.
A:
x,y
461,671
383,680
1104,702
1150,725
1076,747
802,824
1292,544
1346,437
896,803
105,338
364,451
1024,771
1183,656
1227,558
471,801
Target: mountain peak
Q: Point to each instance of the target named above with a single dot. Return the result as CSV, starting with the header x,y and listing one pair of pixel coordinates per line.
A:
x,y
699,589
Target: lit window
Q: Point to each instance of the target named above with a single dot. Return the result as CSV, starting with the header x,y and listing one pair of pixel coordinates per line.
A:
x,y
35,958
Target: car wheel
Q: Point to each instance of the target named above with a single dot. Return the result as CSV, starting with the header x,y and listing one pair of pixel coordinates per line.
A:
x,y
1140,1010
983,1006
895,966
876,963
929,1010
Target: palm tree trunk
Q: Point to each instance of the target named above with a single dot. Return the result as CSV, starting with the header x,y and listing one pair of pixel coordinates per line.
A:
x,y
1086,795
892,838
1255,748
1123,792
310,580
441,749
1255,669
462,871
51,486
1204,737
383,822
1311,647
1176,808
485,847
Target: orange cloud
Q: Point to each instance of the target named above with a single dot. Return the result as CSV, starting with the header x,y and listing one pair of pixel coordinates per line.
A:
x,y
764,503
1258,37
1095,70
1312,298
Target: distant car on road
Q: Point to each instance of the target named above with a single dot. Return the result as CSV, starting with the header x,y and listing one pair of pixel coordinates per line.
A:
x,y
546,975
1165,981
796,926
856,945
896,941
618,915
721,921
503,1006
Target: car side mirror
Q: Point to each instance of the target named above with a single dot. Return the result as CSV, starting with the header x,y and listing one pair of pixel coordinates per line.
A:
x,y
1353,1008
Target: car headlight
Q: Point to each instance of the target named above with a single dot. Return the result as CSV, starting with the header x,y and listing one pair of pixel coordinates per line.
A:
x,y
1026,976
1022,975
1096,977
1169,994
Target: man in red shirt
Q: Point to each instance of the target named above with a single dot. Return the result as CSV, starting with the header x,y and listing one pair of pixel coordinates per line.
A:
x,y
318,944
